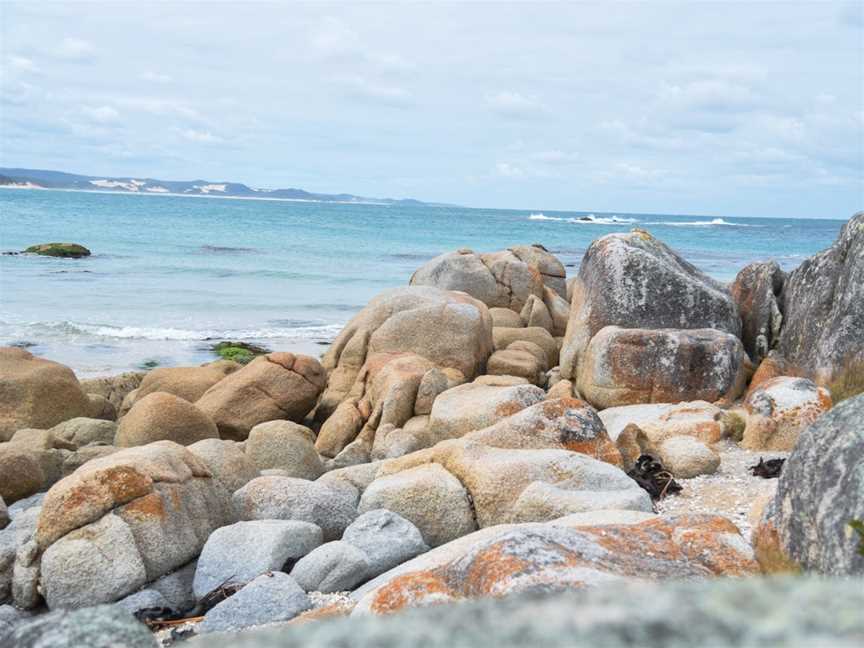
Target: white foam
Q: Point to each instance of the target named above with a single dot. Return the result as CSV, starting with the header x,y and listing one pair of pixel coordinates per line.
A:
x,y
713,222
591,219
543,217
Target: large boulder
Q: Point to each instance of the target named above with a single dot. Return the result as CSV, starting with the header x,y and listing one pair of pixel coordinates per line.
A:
x,y
551,270
238,553
538,557
385,538
450,329
499,279
780,409
823,308
756,291
333,567
475,406
286,446
21,474
164,417
634,281
101,626
82,431
820,494
686,457
660,421
429,497
503,338
815,612
272,386
332,506
226,461
633,366
160,495
189,383
36,393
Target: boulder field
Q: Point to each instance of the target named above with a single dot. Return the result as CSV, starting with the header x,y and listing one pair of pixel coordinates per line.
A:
x,y
478,433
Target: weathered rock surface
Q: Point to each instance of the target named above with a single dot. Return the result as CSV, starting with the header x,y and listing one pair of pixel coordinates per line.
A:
x,y
36,393
269,598
450,329
634,281
272,386
386,538
633,366
820,491
498,279
114,388
143,599
79,432
427,496
240,552
161,494
284,445
823,308
188,383
686,457
333,567
780,409
756,291
160,416
21,474
474,406
505,317
660,421
504,337
227,462
102,626
815,612
551,270
532,557
4,514
332,506
516,362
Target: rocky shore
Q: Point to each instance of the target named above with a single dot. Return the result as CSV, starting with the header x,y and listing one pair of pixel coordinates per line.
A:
x,y
474,442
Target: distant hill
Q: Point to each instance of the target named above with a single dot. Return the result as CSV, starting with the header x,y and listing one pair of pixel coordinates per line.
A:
x,y
42,179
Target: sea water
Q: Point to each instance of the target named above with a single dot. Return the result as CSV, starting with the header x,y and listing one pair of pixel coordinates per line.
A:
x,y
170,275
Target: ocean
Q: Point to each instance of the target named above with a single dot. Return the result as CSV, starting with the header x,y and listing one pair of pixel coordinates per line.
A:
x,y
170,275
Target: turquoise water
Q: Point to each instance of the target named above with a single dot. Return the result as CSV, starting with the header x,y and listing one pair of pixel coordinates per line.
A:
x,y
169,273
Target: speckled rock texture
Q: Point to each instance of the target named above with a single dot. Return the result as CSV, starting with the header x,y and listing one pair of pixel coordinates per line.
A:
x,y
756,290
779,409
733,613
538,557
103,626
823,307
633,366
820,491
633,280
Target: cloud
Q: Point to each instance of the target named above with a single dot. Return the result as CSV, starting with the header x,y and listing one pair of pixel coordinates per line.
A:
x,y
156,77
200,137
513,104
508,170
554,157
22,64
364,88
714,95
74,49
159,106
102,114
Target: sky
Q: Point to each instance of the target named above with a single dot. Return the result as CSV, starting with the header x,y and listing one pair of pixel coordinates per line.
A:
x,y
748,109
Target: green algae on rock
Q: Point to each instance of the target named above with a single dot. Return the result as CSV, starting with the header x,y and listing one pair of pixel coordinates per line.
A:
x,y
240,352
63,250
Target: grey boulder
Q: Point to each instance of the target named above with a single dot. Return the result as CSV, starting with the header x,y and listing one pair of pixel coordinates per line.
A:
x,y
386,538
103,626
333,567
239,552
271,597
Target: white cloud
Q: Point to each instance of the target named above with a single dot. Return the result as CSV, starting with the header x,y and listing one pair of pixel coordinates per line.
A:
x,y
158,106
513,104
509,170
708,94
365,88
156,77
74,49
554,157
200,137
23,64
102,114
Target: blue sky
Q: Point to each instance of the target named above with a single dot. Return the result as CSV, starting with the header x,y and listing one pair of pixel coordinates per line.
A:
x,y
704,108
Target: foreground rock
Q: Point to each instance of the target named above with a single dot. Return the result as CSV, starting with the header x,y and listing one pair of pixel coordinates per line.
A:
x,y
63,250
823,308
756,290
125,520
531,557
114,388
450,329
633,366
188,383
274,386
103,626
779,410
673,615
36,393
820,491
271,597
635,281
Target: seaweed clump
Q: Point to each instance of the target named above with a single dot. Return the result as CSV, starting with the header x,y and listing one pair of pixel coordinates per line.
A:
x,y
239,352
